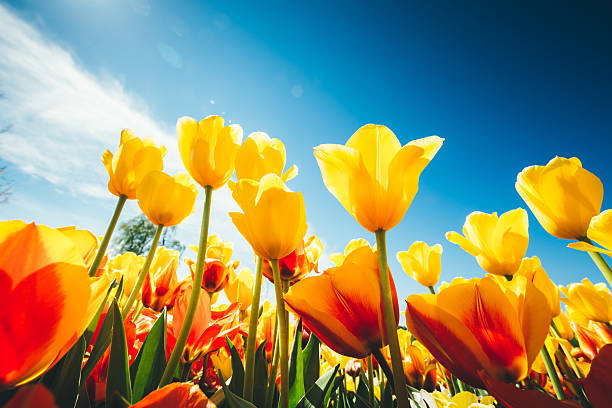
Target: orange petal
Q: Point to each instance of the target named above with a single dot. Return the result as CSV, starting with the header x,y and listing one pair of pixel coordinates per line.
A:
x,y
176,395
32,396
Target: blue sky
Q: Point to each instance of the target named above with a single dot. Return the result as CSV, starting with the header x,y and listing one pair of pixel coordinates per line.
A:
x,y
507,86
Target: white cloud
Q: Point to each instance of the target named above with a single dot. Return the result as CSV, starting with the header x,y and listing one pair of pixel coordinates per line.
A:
x,y
57,118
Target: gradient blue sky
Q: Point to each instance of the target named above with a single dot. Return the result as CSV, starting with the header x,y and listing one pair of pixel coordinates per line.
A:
x,y
507,85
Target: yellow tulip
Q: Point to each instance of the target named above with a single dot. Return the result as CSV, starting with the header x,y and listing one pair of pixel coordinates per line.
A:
x,y
498,243
126,266
531,269
563,324
167,200
562,195
373,176
594,302
338,259
240,288
422,262
134,159
274,217
260,155
208,149
600,231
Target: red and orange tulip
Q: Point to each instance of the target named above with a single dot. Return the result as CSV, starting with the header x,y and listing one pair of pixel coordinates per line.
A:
x,y
347,314
44,298
298,263
161,279
176,395
482,324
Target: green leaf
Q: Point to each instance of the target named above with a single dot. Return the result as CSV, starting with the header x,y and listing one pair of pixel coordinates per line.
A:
x,y
363,393
237,369
296,368
119,290
232,400
335,384
67,387
147,369
315,396
102,342
387,398
117,401
118,377
261,376
311,361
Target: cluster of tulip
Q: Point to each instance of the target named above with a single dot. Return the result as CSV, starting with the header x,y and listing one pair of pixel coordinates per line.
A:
x,y
82,329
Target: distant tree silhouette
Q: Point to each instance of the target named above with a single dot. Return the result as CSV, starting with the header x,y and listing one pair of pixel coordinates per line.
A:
x,y
136,234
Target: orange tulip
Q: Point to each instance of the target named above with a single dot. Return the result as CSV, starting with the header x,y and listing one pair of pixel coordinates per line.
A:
x,y
44,298
209,328
161,279
347,312
217,267
32,396
482,324
298,263
86,242
176,395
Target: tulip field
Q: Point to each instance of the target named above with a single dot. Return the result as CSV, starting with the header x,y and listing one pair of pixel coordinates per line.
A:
x,y
80,328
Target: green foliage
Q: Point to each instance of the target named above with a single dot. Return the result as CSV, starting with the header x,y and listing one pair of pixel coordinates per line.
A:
x,y
136,235
66,388
118,377
149,365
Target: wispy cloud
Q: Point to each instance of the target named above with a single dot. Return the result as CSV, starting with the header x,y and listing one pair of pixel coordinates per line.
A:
x,y
56,118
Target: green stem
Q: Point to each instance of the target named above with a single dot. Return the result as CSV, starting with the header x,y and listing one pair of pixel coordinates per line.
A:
x,y
431,290
552,374
107,236
567,352
390,324
249,370
283,331
195,295
370,380
600,262
449,383
143,273
273,369
382,363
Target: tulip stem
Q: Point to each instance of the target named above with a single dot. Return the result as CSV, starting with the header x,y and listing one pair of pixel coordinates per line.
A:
x,y
431,290
195,294
600,262
249,369
390,323
567,352
107,236
370,380
382,363
552,374
273,368
144,271
283,331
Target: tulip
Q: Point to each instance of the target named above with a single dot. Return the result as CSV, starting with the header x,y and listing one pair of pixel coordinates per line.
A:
x,y
32,396
482,324
274,218
298,263
498,243
347,314
600,231
265,328
134,159
593,302
166,200
127,267
422,263
260,155
161,279
208,329
532,270
45,293
176,395
562,195
86,242
337,258
373,176
208,149
239,288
